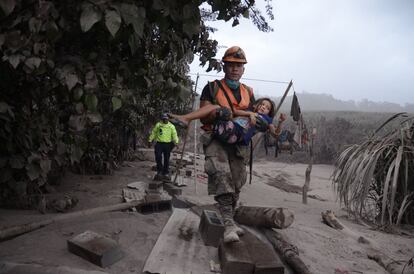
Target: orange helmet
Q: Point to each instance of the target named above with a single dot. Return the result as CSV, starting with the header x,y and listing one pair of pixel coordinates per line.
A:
x,y
235,55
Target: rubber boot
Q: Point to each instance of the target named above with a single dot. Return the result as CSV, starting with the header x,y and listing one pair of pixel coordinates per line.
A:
x,y
230,229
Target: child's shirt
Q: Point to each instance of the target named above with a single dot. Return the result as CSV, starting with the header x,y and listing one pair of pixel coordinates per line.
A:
x,y
246,130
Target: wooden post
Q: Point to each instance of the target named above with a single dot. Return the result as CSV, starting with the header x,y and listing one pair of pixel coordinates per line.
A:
x,y
308,169
195,139
177,170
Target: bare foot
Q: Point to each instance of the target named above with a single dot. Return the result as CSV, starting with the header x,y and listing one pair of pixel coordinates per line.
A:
x,y
179,120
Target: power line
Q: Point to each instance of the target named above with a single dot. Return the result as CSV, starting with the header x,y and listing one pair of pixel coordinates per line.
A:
x,y
249,79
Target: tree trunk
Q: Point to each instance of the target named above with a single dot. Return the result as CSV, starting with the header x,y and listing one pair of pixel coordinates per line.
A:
x,y
12,232
268,217
288,251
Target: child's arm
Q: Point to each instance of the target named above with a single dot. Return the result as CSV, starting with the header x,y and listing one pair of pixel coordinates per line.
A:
x,y
244,113
275,131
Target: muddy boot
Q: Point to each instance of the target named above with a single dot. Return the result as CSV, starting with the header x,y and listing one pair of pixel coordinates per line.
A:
x,y
239,230
230,229
234,205
230,234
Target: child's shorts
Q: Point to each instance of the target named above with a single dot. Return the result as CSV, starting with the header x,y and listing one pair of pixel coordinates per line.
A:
x,y
227,132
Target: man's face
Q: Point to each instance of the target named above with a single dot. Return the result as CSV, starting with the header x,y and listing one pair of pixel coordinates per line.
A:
x,y
233,71
164,121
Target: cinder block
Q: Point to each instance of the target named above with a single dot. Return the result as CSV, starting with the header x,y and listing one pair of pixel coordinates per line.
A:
x,y
95,248
234,258
154,203
268,268
171,189
154,185
263,255
153,191
211,228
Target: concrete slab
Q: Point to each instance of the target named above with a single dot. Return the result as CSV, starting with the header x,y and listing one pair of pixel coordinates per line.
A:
x,y
179,248
14,268
234,258
95,248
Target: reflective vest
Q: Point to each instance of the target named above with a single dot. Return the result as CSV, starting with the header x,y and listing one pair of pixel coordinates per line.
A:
x,y
164,133
245,93
217,93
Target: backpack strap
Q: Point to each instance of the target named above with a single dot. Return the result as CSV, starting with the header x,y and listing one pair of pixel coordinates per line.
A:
x,y
251,162
249,89
225,94
213,91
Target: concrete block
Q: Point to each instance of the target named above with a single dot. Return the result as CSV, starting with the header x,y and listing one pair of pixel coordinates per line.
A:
x,y
154,203
211,228
154,185
154,191
234,258
263,255
96,248
171,189
268,268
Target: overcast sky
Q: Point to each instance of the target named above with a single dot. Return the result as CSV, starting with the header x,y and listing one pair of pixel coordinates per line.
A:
x,y
352,49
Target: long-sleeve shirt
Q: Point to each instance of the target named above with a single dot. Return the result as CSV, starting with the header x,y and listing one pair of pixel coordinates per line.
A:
x,y
164,133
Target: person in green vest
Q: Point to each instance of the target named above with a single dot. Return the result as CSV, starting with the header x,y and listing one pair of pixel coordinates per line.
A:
x,y
165,136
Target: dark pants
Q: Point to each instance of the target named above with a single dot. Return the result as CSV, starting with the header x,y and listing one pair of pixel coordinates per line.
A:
x,y
163,149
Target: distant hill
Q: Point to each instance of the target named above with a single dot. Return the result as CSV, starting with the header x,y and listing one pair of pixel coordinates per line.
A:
x,y
326,102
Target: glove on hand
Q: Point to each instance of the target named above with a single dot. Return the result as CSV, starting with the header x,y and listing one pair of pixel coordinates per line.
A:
x,y
261,124
223,114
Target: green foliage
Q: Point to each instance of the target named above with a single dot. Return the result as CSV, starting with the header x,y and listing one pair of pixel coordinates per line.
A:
x,y
80,79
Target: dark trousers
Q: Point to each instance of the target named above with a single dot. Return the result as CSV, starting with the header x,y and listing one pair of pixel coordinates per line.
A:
x,y
163,149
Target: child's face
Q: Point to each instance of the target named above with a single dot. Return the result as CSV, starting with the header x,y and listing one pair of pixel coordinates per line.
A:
x,y
264,107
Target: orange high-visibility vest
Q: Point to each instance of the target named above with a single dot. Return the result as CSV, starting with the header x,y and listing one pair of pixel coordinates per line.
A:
x,y
245,93
217,93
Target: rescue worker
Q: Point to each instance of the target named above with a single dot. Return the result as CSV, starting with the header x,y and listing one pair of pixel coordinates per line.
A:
x,y
225,164
165,136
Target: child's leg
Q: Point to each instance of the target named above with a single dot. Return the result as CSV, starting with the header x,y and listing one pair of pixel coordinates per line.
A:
x,y
200,113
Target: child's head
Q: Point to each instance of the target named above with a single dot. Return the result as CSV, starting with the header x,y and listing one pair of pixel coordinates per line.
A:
x,y
265,106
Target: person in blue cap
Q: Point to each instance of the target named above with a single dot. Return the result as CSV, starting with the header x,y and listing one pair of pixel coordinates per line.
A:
x,y
165,136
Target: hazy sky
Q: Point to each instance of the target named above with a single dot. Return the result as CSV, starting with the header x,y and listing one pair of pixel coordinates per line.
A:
x,y
352,49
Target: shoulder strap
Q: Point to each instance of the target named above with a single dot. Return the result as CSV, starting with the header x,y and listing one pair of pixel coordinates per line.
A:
x,y
251,162
249,89
213,91
226,95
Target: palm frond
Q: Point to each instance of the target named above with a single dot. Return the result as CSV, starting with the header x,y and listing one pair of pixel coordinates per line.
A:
x,y
374,179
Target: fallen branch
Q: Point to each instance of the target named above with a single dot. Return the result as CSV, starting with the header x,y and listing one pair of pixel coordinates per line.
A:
x,y
14,231
289,252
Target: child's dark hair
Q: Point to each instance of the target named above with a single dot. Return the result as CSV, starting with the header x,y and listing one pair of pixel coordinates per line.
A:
x,y
272,106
